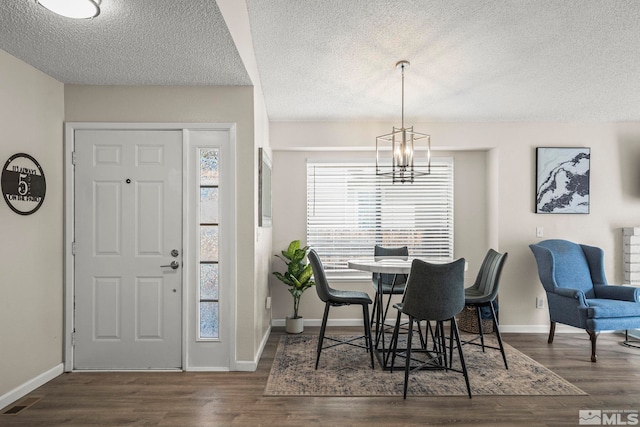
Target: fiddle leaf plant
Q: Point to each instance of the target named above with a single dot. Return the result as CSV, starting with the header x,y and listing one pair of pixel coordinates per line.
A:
x,y
298,274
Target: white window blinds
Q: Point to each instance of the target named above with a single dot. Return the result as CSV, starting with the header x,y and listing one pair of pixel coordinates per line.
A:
x,y
350,209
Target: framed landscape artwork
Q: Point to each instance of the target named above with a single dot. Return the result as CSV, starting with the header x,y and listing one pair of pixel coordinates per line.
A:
x,y
562,180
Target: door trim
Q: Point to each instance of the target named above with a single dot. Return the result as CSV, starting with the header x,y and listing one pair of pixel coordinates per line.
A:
x,y
69,231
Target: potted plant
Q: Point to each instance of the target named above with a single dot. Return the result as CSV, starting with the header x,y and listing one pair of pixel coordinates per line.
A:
x,y
298,278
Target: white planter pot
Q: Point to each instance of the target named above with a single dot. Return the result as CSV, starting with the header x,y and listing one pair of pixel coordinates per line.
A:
x,y
294,325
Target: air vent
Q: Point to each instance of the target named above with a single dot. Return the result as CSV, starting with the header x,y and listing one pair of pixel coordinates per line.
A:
x,y
18,407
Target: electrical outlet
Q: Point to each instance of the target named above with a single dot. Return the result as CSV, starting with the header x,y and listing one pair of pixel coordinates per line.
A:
x,y
539,302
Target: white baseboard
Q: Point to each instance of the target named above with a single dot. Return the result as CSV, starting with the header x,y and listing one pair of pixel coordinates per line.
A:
x,y
26,388
318,322
246,366
537,329
544,329
251,366
205,369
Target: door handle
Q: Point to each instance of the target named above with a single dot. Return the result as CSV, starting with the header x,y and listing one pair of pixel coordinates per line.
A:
x,y
174,265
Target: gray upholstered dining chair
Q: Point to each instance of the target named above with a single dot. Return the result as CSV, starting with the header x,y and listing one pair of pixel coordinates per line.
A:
x,y
387,284
483,293
434,292
337,298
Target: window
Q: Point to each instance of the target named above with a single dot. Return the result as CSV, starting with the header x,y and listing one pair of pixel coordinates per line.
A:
x,y
209,243
350,209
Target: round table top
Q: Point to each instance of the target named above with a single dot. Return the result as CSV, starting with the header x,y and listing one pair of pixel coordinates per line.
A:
x,y
399,265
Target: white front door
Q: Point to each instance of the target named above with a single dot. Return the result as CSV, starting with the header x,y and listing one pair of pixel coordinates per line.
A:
x,y
128,249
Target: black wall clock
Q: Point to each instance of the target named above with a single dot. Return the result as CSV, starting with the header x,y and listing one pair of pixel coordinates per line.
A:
x,y
23,184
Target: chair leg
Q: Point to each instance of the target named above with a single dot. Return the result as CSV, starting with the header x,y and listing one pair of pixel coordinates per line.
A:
x,y
454,327
429,332
322,330
379,320
407,365
423,342
480,331
593,336
393,286
552,331
393,346
373,309
443,345
495,326
367,331
450,348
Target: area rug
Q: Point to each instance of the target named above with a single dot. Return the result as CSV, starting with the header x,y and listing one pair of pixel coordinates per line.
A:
x,y
346,371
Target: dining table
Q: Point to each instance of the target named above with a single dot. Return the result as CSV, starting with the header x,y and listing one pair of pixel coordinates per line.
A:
x,y
396,266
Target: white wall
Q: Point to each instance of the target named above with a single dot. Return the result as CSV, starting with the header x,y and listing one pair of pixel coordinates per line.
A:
x,y
31,115
507,172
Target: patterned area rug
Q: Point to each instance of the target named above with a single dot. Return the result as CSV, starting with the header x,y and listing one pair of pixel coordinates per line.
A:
x,y
346,371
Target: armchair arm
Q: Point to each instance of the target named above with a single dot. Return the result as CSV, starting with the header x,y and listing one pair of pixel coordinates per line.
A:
x,y
571,293
622,293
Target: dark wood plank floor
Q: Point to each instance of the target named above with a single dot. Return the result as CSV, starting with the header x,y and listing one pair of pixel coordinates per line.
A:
x,y
228,399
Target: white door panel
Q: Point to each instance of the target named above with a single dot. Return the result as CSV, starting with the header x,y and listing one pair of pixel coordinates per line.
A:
x,y
128,212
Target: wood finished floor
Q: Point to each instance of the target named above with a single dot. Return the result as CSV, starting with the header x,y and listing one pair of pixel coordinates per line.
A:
x,y
236,398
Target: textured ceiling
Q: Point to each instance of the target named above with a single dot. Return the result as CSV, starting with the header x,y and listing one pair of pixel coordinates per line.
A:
x,y
509,60
537,60
131,42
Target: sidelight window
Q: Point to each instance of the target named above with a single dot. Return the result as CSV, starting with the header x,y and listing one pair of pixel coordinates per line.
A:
x,y
208,219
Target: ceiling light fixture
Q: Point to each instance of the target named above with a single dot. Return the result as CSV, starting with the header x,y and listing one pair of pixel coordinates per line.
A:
x,y
404,143
77,9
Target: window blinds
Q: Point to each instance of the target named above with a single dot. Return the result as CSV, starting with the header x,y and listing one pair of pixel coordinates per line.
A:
x,y
350,209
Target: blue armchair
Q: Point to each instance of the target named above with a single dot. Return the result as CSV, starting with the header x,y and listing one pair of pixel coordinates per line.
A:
x,y
577,290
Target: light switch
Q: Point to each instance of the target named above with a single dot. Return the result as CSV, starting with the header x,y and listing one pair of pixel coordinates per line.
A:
x,y
539,232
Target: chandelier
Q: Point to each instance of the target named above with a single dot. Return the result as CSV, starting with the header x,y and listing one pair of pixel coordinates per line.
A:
x,y
402,145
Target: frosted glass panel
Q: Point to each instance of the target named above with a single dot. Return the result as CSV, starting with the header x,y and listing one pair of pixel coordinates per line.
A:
x,y
208,243
208,281
209,167
209,320
209,205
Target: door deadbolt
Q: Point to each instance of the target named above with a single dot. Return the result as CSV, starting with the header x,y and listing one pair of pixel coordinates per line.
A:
x,y
174,253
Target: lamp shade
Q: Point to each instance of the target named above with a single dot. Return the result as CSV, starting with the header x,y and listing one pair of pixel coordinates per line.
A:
x,y
77,9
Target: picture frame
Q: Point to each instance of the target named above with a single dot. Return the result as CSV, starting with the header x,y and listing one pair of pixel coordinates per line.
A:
x,y
562,180
264,189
